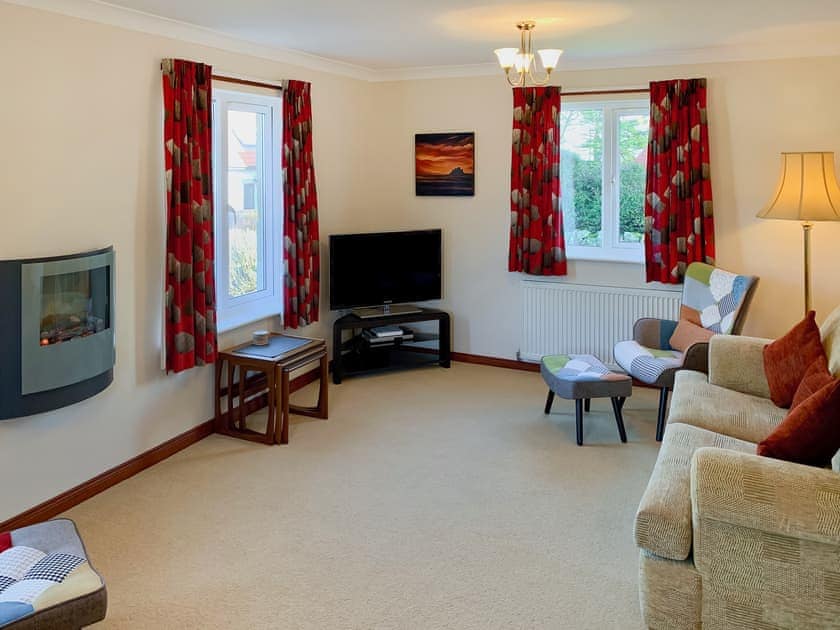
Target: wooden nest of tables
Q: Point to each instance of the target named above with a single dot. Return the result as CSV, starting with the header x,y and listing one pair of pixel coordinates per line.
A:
x,y
271,381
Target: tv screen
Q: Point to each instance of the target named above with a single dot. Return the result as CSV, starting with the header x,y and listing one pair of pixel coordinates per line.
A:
x,y
384,268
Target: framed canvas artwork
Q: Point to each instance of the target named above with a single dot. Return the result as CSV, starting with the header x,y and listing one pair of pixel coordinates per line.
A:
x,y
444,164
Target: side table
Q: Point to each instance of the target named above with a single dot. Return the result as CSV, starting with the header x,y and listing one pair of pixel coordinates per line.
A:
x,y
274,384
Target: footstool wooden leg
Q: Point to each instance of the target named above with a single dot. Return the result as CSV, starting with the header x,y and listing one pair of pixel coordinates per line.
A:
x,y
617,404
587,403
579,420
548,401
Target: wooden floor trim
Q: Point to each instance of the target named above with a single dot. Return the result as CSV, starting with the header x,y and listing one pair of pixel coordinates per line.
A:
x,y
66,500
511,364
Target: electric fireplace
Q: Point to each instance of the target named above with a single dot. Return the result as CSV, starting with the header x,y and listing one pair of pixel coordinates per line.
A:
x,y
58,347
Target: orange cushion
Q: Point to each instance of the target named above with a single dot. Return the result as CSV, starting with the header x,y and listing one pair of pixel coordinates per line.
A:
x,y
686,334
816,377
810,433
788,358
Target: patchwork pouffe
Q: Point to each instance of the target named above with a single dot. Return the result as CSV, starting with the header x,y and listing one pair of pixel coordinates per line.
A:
x,y
581,377
46,580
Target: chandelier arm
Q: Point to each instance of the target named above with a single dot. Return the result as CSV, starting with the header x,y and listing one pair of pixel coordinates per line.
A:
x,y
537,80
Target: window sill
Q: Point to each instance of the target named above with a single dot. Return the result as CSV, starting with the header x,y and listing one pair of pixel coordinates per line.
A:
x,y
595,254
245,317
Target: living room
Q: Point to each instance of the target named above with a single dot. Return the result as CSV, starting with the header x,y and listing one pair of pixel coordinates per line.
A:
x,y
84,113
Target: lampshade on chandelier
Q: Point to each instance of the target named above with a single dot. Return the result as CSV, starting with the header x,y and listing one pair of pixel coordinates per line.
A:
x,y
522,61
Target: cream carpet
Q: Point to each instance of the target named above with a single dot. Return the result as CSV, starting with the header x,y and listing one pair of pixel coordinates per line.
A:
x,y
430,499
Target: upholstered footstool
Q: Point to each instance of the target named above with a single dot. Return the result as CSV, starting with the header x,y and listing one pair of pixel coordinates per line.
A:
x,y
581,377
46,580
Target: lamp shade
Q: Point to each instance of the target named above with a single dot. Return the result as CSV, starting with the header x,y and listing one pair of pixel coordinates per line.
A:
x,y
550,57
507,57
807,189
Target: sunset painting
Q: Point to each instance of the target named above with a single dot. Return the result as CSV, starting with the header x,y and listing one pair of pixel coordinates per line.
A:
x,y
443,164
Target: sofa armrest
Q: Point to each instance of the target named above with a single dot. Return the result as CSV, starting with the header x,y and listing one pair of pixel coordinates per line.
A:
x,y
737,363
768,495
766,539
653,333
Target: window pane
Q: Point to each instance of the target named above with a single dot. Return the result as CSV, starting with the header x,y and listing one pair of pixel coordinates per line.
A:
x,y
632,148
582,154
245,203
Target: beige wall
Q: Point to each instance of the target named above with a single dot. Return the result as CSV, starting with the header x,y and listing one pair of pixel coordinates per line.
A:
x,y
756,111
80,128
81,168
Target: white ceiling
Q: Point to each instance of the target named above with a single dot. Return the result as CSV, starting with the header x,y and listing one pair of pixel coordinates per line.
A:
x,y
389,36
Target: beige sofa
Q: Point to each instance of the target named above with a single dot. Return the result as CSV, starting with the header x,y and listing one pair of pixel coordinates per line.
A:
x,y
729,539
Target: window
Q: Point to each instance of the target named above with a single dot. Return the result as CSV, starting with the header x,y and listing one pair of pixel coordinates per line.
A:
x,y
248,202
603,167
249,195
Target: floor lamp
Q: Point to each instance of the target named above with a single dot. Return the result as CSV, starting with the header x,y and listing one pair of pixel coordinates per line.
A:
x,y
807,192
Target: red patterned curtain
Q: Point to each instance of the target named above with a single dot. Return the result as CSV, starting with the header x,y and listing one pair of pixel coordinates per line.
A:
x,y
300,226
679,218
537,246
190,326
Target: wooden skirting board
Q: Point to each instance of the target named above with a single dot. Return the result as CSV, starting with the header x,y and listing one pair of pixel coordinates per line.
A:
x,y
511,364
66,500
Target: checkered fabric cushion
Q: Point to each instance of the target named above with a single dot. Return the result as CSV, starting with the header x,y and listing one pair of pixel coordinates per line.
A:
x,y
646,364
578,367
41,567
575,376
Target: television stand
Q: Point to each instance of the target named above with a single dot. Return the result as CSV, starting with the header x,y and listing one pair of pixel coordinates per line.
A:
x,y
356,356
385,310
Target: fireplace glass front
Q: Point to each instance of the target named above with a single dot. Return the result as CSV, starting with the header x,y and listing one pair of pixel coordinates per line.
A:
x,y
67,333
73,305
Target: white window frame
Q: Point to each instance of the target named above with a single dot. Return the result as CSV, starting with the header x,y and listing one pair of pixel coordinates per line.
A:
x,y
235,311
611,249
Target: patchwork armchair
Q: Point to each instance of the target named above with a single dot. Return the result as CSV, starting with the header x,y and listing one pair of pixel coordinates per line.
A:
x,y
712,298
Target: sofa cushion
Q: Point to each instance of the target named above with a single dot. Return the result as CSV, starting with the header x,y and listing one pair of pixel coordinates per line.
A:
x,y
697,402
810,434
663,521
787,359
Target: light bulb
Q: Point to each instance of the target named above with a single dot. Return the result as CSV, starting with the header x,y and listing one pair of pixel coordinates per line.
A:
x,y
523,62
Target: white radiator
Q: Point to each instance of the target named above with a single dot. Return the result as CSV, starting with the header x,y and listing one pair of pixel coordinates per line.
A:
x,y
559,318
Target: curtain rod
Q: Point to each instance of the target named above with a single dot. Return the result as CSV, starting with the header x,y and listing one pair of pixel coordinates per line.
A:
x,y
271,86
596,92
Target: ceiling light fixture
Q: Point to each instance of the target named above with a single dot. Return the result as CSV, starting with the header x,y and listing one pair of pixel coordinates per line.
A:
x,y
522,59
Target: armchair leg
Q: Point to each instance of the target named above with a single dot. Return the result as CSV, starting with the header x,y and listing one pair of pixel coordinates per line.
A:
x,y
663,410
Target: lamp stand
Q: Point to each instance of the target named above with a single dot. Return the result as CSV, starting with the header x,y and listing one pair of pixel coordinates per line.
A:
x,y
806,233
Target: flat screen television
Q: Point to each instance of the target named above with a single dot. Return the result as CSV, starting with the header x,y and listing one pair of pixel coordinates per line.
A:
x,y
384,268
